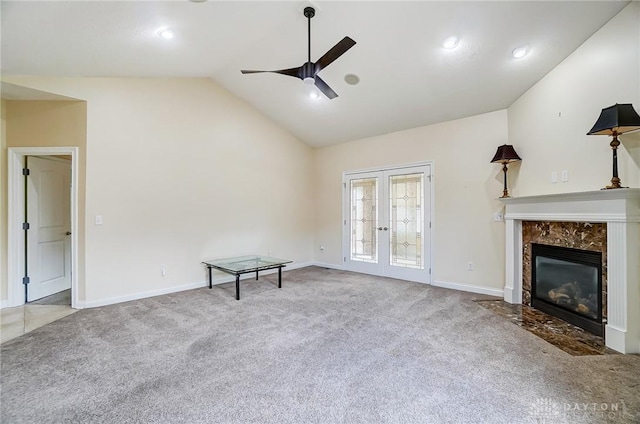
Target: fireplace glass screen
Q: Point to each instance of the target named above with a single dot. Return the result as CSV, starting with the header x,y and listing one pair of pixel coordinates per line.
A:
x,y
568,283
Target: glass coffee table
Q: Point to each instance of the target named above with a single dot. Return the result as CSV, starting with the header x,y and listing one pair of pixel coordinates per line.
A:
x,y
244,265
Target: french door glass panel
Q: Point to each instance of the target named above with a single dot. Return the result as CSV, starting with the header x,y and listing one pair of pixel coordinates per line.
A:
x,y
386,225
364,220
406,199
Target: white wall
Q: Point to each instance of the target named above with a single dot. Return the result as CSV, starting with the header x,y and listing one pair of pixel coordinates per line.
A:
x,y
548,124
3,202
182,171
466,189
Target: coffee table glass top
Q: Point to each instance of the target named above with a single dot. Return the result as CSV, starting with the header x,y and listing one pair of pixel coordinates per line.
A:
x,y
246,263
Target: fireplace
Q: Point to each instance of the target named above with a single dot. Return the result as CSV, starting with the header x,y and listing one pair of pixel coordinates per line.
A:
x,y
616,210
567,283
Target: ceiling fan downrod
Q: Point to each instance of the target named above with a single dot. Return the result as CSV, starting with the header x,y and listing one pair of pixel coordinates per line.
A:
x,y
308,68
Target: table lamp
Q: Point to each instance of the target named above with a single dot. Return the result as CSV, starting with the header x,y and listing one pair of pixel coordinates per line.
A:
x,y
505,155
614,120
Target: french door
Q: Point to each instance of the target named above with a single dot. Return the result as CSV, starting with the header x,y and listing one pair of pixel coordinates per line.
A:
x,y
386,223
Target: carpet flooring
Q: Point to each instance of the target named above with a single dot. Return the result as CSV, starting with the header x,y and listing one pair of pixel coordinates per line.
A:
x,y
329,347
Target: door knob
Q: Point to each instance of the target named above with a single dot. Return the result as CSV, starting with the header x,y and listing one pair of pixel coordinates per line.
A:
x,y
68,233
379,228
385,228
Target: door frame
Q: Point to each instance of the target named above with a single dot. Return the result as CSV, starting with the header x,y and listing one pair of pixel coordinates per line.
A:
x,y
16,213
346,213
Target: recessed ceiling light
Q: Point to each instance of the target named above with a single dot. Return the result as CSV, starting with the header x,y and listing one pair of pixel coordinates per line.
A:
x,y
167,34
520,52
351,79
450,43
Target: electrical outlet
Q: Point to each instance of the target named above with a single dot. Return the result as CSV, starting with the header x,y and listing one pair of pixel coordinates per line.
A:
x,y
322,248
554,177
163,270
564,176
470,266
99,220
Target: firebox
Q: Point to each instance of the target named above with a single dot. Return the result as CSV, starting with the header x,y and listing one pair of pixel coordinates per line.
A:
x,y
567,283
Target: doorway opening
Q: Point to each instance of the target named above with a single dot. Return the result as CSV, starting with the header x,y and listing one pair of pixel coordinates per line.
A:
x,y
17,256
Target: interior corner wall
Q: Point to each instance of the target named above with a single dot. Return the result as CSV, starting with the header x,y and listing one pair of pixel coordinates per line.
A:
x,y
49,124
182,171
548,124
466,189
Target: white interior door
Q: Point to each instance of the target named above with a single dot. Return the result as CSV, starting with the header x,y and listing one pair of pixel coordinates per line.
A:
x,y
387,222
49,218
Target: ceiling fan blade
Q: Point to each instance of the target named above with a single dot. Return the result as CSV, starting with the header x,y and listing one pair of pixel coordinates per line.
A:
x,y
326,90
335,52
292,72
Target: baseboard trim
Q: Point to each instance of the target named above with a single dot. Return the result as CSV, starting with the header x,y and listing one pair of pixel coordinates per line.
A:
x,y
326,265
4,304
224,278
473,289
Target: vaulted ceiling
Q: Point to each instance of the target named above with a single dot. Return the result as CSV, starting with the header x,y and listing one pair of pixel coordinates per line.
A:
x,y
406,77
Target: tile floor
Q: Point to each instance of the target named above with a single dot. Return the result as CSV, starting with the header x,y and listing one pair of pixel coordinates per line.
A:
x,y
573,340
20,320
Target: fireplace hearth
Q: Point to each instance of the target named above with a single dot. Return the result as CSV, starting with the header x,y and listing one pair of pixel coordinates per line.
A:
x,y
567,283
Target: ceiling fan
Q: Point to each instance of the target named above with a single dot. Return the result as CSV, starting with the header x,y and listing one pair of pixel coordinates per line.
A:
x,y
309,71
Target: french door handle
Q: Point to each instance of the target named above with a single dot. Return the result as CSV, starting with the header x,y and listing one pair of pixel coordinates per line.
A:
x,y
379,228
68,233
382,228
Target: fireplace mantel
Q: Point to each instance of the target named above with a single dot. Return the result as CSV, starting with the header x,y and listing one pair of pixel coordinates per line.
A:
x,y
620,210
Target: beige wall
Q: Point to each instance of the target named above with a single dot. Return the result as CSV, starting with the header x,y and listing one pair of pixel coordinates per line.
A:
x,y
47,124
548,124
466,188
182,171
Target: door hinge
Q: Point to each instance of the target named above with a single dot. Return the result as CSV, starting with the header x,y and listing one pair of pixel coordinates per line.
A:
x,y
429,271
429,224
429,177
344,259
25,171
25,226
345,222
344,185
25,280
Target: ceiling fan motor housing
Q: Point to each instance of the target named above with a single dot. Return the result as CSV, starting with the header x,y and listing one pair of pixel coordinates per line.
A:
x,y
308,70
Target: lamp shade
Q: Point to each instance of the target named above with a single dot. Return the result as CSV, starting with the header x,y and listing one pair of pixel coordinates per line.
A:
x,y
619,118
505,154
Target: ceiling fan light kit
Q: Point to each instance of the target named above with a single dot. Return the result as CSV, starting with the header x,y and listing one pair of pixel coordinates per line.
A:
x,y
308,72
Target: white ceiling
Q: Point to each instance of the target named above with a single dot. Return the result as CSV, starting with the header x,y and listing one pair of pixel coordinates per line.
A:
x,y
406,78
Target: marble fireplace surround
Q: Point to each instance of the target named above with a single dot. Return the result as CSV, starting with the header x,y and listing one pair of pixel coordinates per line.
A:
x,y
620,210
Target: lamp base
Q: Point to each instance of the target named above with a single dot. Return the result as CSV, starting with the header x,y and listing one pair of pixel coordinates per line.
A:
x,y
615,183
